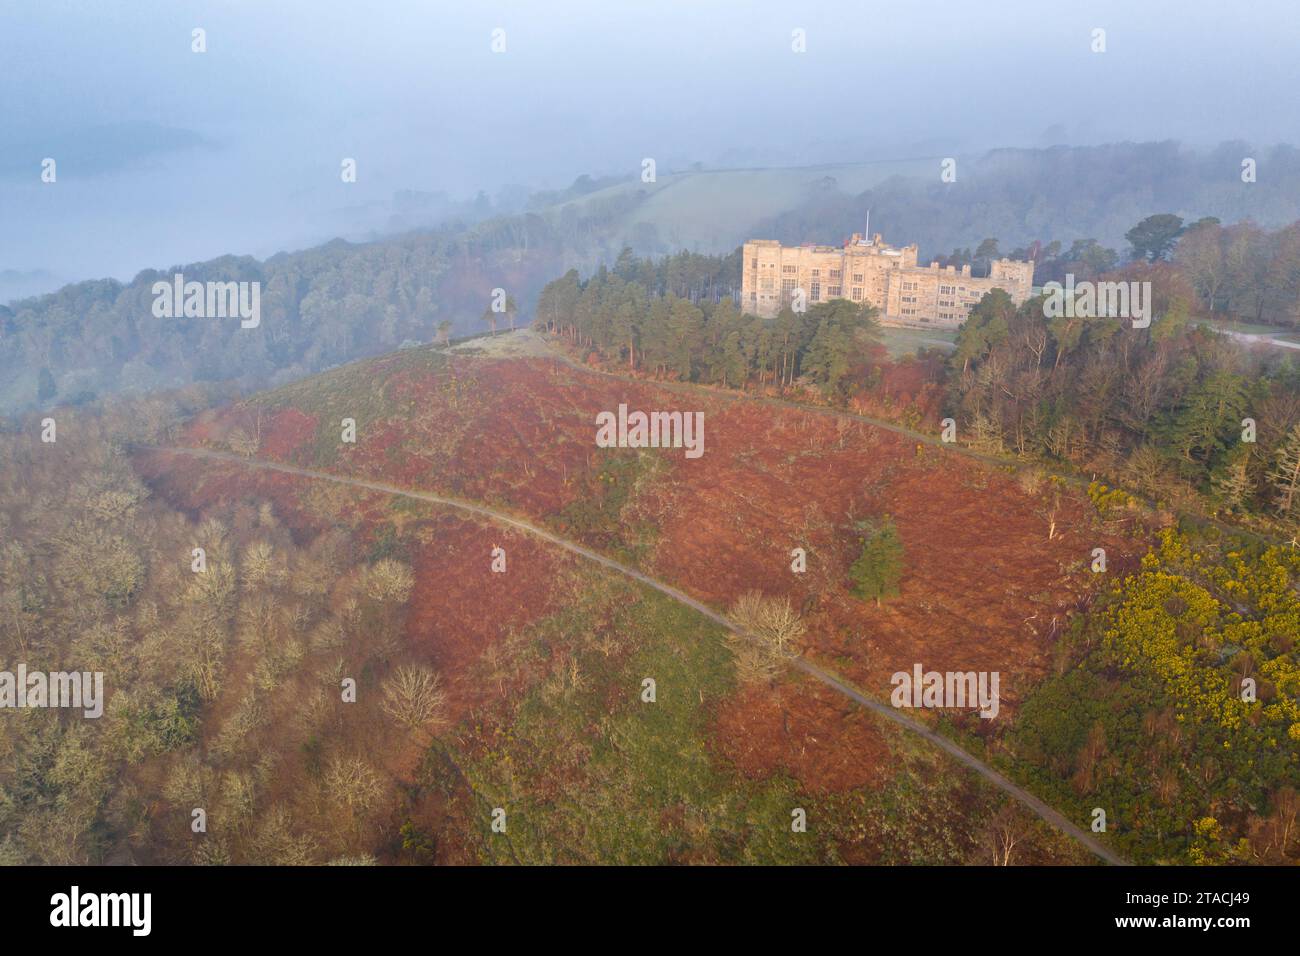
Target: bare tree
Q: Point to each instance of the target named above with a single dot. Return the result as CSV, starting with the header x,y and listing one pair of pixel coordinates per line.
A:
x,y
415,698
354,784
242,443
1002,835
389,581
769,631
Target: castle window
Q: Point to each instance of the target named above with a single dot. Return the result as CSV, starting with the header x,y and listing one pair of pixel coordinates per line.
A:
x,y
833,291
789,270
857,277
835,273
857,293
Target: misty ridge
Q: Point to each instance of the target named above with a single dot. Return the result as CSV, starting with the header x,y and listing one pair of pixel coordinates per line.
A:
x,y
339,301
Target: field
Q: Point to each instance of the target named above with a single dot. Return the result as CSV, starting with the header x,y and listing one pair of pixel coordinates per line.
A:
x,y
899,341
714,211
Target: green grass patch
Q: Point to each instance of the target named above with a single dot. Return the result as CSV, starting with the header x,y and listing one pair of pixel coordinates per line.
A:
x,y
593,774
597,515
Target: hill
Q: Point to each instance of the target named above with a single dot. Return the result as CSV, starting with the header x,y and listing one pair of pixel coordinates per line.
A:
x,y
338,674
353,678
516,434
712,211
1064,194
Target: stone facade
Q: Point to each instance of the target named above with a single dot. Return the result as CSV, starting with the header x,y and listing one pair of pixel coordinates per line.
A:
x,y
870,271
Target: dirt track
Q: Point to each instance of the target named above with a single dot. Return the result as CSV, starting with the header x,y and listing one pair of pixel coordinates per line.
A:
x,y
1028,800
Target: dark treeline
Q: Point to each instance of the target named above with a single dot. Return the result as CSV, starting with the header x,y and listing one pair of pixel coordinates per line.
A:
x,y
1241,272
676,317
1083,258
1161,407
342,301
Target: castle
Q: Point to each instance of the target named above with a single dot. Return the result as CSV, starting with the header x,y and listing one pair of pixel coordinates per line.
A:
x,y
870,271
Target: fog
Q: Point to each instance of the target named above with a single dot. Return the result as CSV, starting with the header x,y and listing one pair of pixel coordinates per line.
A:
x,y
167,156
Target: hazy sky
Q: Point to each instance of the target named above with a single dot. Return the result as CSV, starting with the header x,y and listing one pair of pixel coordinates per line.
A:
x,y
167,156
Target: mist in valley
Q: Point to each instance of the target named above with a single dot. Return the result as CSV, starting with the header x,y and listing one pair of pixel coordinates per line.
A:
x,y
167,156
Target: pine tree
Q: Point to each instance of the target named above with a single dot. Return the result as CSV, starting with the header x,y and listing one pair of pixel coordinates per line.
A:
x,y
879,567
684,327
1285,476
1232,486
827,358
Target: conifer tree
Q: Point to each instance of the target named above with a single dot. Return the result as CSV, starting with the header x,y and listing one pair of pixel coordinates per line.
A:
x,y
879,567
1285,476
1232,485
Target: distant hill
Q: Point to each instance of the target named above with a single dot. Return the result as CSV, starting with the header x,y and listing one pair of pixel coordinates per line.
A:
x,y
319,308
713,211
17,284
1064,193
95,150
342,301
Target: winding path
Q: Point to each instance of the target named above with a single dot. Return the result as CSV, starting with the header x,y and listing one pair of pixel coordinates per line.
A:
x,y
829,678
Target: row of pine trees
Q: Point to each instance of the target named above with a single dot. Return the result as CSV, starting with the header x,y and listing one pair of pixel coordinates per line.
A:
x,y
693,331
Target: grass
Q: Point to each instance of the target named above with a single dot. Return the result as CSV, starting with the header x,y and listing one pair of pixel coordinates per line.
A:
x,y
586,770
900,342
594,774
349,391
716,210
1249,328
597,514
